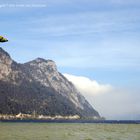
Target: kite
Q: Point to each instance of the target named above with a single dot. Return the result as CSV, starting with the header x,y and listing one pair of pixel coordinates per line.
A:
x,y
2,39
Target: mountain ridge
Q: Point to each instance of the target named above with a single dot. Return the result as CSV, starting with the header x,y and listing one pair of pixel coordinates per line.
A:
x,y
38,86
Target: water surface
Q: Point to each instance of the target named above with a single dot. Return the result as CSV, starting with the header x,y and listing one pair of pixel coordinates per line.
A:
x,y
69,131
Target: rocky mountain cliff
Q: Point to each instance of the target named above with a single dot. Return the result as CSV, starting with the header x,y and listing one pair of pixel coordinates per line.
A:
x,y
38,87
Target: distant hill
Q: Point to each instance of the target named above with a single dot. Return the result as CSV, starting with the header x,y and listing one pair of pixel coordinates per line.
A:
x,y
38,87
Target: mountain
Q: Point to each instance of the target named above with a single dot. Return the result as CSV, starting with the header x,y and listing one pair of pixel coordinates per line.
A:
x,y
37,86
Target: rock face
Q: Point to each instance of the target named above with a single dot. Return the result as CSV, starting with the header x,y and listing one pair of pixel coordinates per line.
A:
x,y
38,87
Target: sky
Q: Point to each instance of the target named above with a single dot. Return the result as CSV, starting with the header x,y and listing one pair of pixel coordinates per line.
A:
x,y
95,44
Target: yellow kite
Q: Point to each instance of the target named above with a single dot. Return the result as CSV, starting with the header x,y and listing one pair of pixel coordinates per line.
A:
x,y
2,39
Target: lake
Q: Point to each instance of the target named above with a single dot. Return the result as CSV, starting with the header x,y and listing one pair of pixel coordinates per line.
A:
x,y
68,131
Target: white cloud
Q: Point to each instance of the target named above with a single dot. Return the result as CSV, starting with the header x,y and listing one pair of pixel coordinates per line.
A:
x,y
87,86
111,102
120,103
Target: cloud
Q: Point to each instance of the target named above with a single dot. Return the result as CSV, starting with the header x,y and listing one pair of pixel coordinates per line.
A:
x,y
120,103
111,102
87,86
98,22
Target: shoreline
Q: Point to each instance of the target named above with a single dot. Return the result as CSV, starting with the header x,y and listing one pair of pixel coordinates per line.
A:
x,y
75,121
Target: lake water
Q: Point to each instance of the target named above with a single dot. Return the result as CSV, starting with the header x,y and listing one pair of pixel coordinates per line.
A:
x,y
69,131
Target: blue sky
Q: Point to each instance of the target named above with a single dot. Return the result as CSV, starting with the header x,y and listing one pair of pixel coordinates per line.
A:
x,y
92,38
